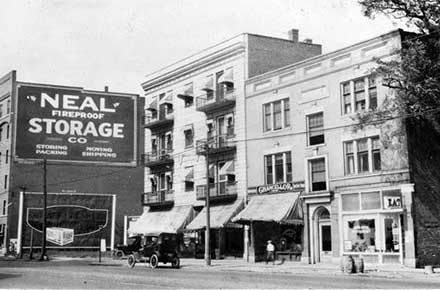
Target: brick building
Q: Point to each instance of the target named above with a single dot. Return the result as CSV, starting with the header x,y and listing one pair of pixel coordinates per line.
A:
x,y
367,191
196,112
89,197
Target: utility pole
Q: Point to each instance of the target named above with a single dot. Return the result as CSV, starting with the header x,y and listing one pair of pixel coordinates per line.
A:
x,y
208,226
43,241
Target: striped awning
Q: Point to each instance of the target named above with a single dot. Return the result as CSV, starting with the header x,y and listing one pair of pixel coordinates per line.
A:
x,y
220,216
186,92
153,106
227,77
166,221
283,208
209,84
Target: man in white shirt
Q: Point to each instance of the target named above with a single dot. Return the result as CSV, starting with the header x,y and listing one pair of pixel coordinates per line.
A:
x,y
270,252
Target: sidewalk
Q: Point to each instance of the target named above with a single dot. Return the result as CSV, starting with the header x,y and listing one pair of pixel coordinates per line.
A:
x,y
239,265
328,269
384,271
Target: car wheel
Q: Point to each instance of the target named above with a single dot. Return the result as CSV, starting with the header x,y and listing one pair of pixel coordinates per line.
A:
x,y
154,261
175,262
131,261
119,254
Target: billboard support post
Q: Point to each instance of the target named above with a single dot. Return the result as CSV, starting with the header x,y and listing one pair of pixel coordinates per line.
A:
x,y
43,242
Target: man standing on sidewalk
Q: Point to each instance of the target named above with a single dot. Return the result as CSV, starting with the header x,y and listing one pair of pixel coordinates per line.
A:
x,y
270,251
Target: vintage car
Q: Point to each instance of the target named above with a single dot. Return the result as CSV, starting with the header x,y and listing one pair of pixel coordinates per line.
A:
x,y
155,248
133,245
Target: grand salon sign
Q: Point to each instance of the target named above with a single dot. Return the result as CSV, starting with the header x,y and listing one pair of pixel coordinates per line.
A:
x,y
280,187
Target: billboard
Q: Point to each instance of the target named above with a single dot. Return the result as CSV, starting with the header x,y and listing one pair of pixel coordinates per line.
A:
x,y
75,125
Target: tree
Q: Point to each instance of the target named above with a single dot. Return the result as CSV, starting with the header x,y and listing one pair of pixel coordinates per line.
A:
x,y
415,73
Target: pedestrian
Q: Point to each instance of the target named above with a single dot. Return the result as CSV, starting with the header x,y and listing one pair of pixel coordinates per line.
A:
x,y
270,252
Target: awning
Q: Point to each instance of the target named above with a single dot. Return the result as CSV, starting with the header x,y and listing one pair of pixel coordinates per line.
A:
x,y
167,221
169,98
189,174
228,168
209,84
220,216
227,77
187,92
153,106
284,208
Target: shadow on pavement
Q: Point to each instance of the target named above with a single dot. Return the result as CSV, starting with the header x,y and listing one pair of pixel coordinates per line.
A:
x,y
8,276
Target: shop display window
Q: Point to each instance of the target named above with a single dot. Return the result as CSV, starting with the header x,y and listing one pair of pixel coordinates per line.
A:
x,y
361,236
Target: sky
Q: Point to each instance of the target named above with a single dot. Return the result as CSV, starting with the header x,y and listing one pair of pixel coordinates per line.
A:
x,y
97,43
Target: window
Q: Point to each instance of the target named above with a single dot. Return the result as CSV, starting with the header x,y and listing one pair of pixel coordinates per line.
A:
x,y
189,178
6,182
154,144
267,117
349,158
372,93
276,115
362,155
1,133
6,156
7,131
0,158
189,137
1,110
277,121
318,178
315,128
376,154
359,94
8,106
346,97
230,125
360,235
278,168
4,207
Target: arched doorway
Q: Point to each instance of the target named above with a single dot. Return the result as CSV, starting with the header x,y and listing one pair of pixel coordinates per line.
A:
x,y
323,231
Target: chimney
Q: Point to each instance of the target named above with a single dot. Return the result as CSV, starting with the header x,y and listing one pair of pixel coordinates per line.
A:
x,y
293,35
308,40
106,89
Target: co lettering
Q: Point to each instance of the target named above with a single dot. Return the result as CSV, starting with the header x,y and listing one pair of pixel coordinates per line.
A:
x,y
80,140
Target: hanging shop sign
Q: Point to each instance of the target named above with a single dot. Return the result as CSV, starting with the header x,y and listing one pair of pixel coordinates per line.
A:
x,y
75,125
280,187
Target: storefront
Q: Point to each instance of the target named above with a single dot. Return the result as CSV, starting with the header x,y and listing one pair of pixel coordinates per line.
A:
x,y
276,217
226,237
372,225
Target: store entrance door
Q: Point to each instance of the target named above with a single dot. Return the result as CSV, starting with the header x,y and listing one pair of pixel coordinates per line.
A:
x,y
325,241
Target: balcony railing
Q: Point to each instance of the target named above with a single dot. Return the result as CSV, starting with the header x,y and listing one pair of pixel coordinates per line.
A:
x,y
216,144
158,157
206,105
218,190
159,121
160,197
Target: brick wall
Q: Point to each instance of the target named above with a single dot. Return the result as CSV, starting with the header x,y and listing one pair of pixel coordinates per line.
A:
x,y
266,53
424,156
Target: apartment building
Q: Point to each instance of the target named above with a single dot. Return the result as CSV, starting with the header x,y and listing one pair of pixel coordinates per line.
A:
x,y
331,188
195,132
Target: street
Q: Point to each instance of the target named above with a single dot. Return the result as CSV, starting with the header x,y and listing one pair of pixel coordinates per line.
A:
x,y
81,274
